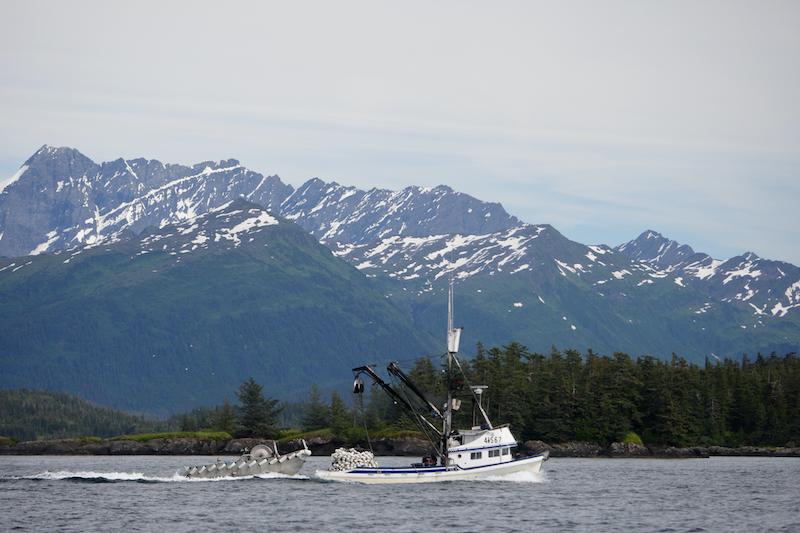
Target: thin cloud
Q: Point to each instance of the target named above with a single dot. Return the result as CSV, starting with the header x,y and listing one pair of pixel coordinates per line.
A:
x,y
603,120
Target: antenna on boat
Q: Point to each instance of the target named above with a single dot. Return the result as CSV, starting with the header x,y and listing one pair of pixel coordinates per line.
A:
x,y
477,392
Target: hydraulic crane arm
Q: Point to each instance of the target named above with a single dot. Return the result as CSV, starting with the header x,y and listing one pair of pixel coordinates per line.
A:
x,y
396,397
394,370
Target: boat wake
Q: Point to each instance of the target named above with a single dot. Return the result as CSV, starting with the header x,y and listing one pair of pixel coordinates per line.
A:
x,y
138,477
520,477
516,477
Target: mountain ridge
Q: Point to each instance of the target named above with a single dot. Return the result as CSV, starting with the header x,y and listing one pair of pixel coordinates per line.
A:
x,y
746,278
268,182
393,250
399,234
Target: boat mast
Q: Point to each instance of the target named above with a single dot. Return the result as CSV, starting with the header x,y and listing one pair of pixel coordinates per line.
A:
x,y
453,336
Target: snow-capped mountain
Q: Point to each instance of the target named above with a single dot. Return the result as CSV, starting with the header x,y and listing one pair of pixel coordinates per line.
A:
x,y
350,216
61,199
525,248
769,288
529,282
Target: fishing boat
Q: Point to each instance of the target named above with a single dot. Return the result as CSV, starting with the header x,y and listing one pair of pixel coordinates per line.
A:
x,y
261,459
483,451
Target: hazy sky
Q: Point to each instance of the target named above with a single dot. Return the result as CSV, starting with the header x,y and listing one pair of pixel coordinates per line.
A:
x,y
601,118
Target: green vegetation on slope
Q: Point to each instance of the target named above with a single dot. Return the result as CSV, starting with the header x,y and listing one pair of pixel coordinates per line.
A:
x,y
199,435
653,319
162,332
29,414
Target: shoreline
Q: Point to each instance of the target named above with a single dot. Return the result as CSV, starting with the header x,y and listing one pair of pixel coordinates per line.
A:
x,y
619,450
403,446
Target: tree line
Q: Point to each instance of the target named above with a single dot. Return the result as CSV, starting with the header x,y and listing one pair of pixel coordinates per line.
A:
x,y
257,415
561,396
30,414
573,396
567,395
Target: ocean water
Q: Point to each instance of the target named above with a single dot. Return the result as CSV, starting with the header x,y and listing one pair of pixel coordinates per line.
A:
x,y
143,494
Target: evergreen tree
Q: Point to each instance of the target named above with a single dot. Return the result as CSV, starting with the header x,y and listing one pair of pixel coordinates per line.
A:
x,y
258,416
187,422
427,378
380,410
340,417
316,412
224,418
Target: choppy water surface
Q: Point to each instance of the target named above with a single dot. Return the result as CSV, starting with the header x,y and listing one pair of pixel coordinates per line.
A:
x,y
143,494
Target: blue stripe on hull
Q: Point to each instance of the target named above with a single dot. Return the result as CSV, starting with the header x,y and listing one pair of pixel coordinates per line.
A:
x,y
396,470
407,470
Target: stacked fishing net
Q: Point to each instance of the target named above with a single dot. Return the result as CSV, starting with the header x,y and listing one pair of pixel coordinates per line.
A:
x,y
343,459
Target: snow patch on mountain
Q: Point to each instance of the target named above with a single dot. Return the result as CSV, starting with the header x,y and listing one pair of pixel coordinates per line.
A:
x,y
703,269
13,178
746,269
52,237
434,256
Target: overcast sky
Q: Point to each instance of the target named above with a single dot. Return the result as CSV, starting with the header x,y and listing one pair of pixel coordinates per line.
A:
x,y
601,118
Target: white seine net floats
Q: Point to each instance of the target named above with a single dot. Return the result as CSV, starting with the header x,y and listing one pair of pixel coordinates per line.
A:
x,y
344,459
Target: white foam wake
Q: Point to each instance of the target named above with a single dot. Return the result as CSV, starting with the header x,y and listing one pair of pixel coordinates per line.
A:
x,y
515,477
520,477
99,476
140,476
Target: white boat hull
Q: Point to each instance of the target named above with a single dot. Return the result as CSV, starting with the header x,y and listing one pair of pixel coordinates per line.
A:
x,y
433,474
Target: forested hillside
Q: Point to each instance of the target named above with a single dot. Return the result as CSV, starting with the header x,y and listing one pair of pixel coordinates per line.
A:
x,y
569,396
179,316
29,414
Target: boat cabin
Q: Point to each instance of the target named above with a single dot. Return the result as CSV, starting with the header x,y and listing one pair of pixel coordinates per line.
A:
x,y
481,447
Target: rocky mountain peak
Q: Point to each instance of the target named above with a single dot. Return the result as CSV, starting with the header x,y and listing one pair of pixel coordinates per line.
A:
x,y
61,199
48,161
56,152
337,214
656,249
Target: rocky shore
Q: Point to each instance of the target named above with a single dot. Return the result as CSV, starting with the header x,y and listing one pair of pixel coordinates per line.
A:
x,y
387,446
620,450
193,446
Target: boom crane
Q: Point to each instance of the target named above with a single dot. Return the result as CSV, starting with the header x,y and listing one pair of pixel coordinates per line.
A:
x,y
394,370
425,424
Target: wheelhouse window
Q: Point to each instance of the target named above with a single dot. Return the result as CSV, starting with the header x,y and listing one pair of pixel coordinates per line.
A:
x,y
494,453
506,451
476,455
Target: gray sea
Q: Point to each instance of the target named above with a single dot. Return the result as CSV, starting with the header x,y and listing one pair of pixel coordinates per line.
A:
x,y
143,494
